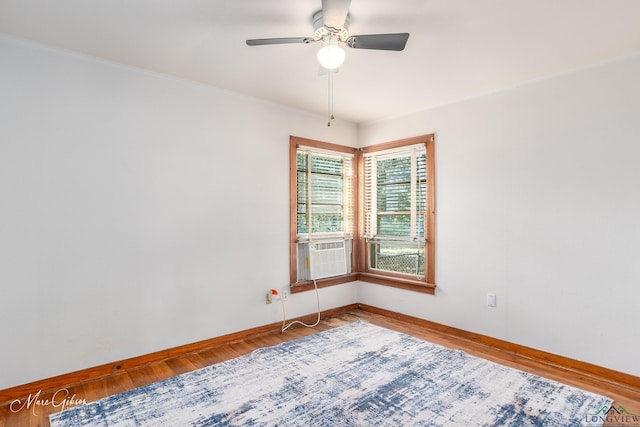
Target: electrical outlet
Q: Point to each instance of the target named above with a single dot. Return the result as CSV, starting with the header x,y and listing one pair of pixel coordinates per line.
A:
x,y
491,300
273,295
284,295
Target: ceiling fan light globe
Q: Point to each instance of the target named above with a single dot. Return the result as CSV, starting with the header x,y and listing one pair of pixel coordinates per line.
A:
x,y
331,56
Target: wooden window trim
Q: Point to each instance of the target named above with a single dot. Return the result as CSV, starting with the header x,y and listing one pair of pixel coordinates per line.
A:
x,y
307,285
398,280
359,262
294,143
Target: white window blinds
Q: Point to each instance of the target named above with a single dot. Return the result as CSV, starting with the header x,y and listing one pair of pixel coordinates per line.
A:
x,y
324,193
395,194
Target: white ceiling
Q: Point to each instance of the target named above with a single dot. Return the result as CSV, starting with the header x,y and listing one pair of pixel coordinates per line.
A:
x,y
457,48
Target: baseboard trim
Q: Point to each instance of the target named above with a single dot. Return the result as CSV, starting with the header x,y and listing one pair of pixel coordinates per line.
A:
x,y
583,368
106,370
131,364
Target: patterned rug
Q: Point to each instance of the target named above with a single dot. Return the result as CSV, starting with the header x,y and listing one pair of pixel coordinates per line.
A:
x,y
355,375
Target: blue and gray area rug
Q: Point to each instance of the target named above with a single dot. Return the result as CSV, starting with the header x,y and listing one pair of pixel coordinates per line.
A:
x,y
355,375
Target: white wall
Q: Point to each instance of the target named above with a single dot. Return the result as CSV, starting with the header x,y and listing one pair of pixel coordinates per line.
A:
x,y
121,232
137,211
538,201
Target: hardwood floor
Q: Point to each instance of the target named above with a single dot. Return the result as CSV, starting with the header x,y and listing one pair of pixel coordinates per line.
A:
x,y
37,414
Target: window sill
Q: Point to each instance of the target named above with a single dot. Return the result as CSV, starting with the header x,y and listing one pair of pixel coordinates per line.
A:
x,y
307,285
379,279
397,282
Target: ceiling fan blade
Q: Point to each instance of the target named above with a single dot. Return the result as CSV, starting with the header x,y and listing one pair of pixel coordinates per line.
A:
x,y
334,13
282,40
396,41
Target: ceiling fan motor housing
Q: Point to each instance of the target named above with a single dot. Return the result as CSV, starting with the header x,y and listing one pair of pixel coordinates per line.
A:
x,y
321,31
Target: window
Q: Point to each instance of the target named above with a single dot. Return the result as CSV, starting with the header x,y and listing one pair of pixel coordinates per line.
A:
x,y
395,194
388,234
323,186
398,214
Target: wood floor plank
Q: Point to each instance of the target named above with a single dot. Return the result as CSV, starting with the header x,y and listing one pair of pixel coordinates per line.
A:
x,y
628,397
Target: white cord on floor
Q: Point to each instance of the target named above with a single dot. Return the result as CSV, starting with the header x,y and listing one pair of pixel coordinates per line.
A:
x,y
284,314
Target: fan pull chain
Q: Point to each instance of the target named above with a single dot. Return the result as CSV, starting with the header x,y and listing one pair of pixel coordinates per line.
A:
x,y
329,97
330,116
332,77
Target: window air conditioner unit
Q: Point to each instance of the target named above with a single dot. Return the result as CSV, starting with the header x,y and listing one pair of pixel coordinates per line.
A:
x,y
327,258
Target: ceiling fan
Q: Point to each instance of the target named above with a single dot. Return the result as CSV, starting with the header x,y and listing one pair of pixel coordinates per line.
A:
x,y
331,25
